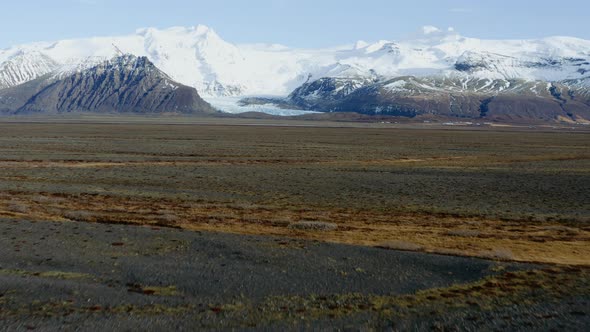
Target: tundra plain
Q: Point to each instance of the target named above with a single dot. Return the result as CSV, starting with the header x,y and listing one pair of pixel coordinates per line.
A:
x,y
493,194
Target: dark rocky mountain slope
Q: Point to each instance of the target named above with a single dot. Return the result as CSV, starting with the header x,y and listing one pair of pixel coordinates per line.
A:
x,y
450,97
125,84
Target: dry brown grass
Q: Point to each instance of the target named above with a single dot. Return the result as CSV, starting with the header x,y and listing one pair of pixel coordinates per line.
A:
x,y
502,254
18,207
463,232
512,240
313,226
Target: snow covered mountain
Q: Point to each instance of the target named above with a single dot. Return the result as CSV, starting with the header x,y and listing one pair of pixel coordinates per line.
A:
x,y
194,56
25,66
512,100
198,57
124,84
432,62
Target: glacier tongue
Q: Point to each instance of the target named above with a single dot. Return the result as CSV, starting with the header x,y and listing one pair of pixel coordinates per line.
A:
x,y
234,105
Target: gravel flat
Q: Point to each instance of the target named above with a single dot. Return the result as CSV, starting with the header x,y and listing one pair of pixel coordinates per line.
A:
x,y
82,276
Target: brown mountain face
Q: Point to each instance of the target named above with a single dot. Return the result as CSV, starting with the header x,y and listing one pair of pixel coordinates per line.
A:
x,y
125,84
483,100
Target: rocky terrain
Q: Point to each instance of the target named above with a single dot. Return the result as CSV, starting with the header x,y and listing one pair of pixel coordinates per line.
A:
x,y
452,97
125,84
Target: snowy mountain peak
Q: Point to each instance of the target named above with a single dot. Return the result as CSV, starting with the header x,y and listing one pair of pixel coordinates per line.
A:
x,y
24,66
194,33
203,30
360,44
198,57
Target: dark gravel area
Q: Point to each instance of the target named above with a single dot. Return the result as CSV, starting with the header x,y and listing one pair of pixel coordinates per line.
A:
x,y
79,276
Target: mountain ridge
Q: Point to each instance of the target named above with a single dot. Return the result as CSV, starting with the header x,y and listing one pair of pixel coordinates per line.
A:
x,y
199,57
125,84
444,72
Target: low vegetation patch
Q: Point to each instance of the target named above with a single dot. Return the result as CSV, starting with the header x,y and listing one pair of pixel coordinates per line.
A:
x,y
153,290
501,254
46,274
400,245
18,207
463,233
313,226
506,289
430,188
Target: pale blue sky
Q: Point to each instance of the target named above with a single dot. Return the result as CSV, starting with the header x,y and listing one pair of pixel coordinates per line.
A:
x,y
297,23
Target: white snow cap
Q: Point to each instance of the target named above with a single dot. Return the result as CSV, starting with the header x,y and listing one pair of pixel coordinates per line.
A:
x,y
202,29
197,56
360,44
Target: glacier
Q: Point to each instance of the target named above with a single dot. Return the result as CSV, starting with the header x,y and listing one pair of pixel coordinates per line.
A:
x,y
221,71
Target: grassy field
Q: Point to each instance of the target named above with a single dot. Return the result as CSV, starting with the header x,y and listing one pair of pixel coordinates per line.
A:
x,y
502,193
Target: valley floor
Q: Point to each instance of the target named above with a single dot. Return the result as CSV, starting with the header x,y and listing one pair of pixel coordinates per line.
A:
x,y
225,203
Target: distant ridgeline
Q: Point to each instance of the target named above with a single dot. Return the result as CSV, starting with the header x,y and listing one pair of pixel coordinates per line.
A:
x,y
436,74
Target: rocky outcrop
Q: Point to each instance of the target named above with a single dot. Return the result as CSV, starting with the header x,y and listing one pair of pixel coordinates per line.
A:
x,y
326,91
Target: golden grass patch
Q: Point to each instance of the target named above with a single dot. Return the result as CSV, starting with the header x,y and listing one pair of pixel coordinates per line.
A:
x,y
545,242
